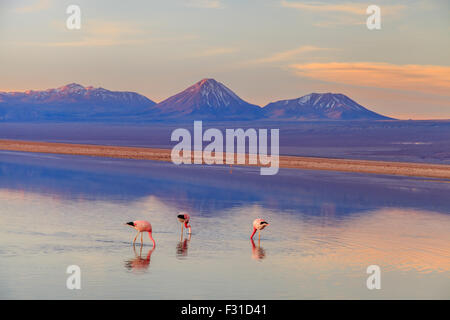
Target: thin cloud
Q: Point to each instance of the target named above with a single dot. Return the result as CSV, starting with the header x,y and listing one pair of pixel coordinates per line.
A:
x,y
205,4
289,54
92,42
100,34
37,5
421,78
218,51
342,14
350,8
341,21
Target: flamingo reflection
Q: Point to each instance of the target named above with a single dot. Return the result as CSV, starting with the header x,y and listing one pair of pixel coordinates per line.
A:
x,y
258,252
182,247
139,264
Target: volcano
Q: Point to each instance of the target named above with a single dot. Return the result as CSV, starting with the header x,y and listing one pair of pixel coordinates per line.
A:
x,y
320,106
208,99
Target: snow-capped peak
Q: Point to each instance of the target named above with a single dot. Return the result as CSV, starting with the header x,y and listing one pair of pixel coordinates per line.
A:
x,y
72,87
76,93
214,93
320,106
208,98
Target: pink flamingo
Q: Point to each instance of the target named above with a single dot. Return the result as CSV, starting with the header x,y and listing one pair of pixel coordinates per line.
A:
x,y
258,224
142,226
183,217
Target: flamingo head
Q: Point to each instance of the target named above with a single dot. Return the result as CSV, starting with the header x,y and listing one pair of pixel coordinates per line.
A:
x,y
131,224
181,218
264,224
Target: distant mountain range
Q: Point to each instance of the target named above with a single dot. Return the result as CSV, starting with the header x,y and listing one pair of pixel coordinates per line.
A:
x,y
205,100
72,102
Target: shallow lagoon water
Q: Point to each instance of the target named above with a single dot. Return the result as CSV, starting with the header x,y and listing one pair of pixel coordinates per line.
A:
x,y
325,229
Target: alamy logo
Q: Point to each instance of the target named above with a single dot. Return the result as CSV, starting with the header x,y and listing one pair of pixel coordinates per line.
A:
x,y
213,153
74,20
374,280
374,20
74,280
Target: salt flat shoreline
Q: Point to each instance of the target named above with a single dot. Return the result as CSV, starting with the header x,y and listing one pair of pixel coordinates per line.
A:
x,y
295,162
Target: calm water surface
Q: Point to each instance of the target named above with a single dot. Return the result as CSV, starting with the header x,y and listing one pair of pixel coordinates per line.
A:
x,y
325,229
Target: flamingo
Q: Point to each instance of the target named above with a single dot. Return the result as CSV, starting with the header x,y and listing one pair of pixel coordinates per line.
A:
x,y
142,226
258,224
184,217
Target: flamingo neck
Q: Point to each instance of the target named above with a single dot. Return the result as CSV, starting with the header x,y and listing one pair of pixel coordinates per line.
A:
x,y
254,231
188,226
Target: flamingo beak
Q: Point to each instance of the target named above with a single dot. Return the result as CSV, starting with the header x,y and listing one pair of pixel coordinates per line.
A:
x,y
129,223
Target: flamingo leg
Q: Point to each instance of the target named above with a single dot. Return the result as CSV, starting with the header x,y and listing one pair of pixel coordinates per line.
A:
x,y
259,235
182,231
151,238
187,226
136,237
142,241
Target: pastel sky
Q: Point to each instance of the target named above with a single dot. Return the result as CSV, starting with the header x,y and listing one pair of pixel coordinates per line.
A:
x,y
264,50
